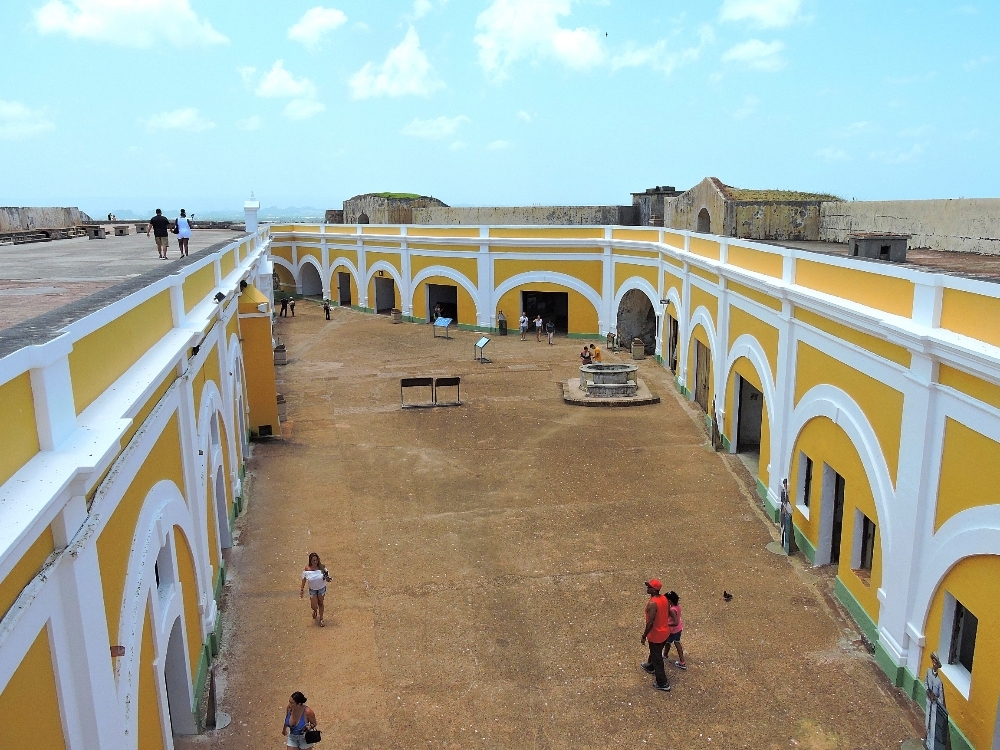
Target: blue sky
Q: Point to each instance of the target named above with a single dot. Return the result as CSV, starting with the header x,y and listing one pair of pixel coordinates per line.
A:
x,y
112,104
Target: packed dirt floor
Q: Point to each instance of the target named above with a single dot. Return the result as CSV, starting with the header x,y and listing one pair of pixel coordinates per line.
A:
x,y
488,564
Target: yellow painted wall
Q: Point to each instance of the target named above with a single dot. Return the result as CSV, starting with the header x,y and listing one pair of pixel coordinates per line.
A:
x,y
101,357
29,704
150,732
228,263
24,570
758,297
970,472
379,229
699,298
282,251
758,261
226,468
700,334
198,285
898,354
115,541
712,278
286,282
970,385
974,315
972,582
643,235
17,415
549,232
674,240
466,305
741,322
625,271
415,246
232,327
349,254
747,371
335,284
396,301
210,516
150,404
340,229
885,293
704,248
591,272
419,231
881,404
582,314
258,361
391,258
312,252
824,442
209,372
672,281
468,267
189,587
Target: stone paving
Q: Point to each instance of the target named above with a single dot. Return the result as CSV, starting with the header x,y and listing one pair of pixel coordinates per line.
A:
x,y
488,565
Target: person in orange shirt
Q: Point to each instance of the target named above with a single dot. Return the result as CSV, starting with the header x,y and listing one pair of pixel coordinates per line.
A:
x,y
595,353
657,632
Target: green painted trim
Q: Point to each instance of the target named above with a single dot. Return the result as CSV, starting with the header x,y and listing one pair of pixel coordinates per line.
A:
x,y
220,579
861,617
726,445
958,740
913,688
359,308
773,511
805,545
892,670
659,358
477,329
588,336
200,680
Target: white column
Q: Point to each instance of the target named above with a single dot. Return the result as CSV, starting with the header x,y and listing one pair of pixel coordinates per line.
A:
x,y
609,323
362,270
250,209
325,261
52,390
784,389
405,289
486,305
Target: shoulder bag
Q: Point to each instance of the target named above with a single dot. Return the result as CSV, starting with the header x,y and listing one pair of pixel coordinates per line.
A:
x,y
313,735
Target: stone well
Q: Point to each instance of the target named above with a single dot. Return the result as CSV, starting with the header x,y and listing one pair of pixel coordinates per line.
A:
x,y
609,381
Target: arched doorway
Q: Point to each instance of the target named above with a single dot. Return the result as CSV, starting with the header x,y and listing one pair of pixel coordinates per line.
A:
x,y
637,319
704,221
311,283
363,218
221,511
175,675
385,294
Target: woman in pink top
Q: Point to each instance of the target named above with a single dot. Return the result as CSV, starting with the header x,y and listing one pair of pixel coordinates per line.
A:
x,y
676,625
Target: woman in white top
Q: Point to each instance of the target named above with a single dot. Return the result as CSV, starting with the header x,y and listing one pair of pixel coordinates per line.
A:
x,y
316,575
183,226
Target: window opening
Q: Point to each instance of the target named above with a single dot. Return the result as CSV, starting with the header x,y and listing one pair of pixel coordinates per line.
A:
x,y
807,481
838,518
867,543
963,637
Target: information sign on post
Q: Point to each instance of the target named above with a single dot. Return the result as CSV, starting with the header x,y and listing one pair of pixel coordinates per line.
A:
x,y
478,351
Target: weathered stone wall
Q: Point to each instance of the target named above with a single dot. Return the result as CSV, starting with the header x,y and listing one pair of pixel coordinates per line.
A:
x,y
682,212
792,220
527,215
14,219
961,224
382,210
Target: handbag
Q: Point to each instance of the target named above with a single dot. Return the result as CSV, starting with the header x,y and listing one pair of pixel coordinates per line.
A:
x,y
313,735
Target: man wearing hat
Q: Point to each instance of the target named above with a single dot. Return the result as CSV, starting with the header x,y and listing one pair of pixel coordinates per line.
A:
x,y
657,631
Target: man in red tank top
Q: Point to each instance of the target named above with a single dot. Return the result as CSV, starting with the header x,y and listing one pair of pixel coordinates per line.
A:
x,y
657,632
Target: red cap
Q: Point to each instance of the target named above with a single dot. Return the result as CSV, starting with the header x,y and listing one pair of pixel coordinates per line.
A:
x,y
654,583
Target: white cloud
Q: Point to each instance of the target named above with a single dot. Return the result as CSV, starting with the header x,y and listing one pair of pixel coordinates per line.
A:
x,y
757,54
18,121
855,128
188,119
280,83
978,62
660,56
314,23
498,145
750,104
898,156
406,70
512,30
250,123
524,116
763,13
422,7
302,109
439,127
128,23
247,74
831,154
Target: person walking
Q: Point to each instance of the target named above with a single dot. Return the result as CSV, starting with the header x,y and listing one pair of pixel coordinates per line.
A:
x,y
656,633
676,625
159,225
291,306
182,227
523,324
550,330
595,353
538,328
317,576
299,719
326,308
936,718
284,308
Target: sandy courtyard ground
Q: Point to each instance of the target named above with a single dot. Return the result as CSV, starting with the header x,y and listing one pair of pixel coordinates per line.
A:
x,y
488,564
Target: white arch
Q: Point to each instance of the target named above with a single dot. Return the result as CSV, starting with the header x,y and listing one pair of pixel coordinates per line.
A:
x,y
702,316
748,346
278,260
974,531
448,273
308,260
834,404
548,277
342,261
382,265
637,282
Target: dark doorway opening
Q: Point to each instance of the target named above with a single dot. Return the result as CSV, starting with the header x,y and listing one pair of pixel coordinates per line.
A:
x,y
702,374
363,218
552,306
750,413
344,288
178,688
312,285
447,297
637,320
704,221
673,336
385,294
838,518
